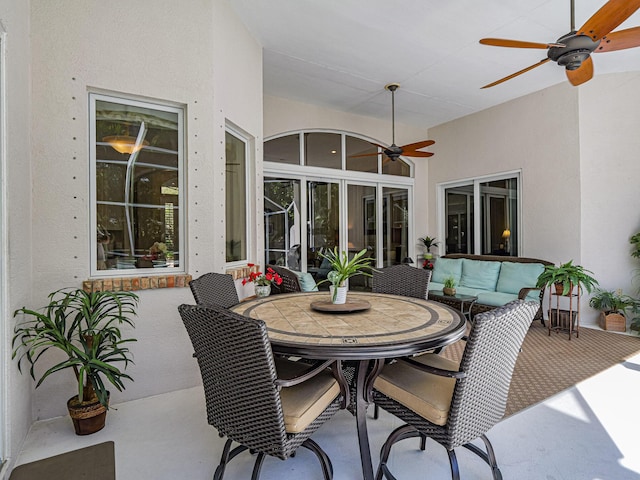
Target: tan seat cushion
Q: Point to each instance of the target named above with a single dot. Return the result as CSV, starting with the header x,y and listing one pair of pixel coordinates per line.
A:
x,y
426,394
303,403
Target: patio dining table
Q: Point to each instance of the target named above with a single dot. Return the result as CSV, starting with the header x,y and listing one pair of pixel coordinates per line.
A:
x,y
368,329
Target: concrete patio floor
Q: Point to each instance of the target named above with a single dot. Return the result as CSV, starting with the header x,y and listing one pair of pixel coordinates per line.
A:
x,y
588,432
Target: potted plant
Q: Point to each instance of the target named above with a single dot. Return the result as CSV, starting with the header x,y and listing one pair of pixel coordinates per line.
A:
x,y
342,269
566,277
449,286
612,306
428,242
262,281
86,328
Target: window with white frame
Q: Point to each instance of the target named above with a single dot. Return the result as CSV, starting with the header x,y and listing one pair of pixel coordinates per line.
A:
x,y
236,154
481,215
137,179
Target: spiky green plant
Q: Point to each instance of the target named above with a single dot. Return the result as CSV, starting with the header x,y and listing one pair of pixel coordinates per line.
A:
x,y
568,275
87,328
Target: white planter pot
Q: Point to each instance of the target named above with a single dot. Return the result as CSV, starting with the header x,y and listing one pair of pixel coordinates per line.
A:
x,y
338,294
263,290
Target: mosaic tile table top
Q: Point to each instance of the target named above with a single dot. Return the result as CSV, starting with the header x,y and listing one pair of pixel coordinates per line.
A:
x,y
392,326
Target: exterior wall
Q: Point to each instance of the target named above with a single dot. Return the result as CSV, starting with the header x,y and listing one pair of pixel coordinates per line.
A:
x,y
192,53
537,134
609,146
577,150
14,16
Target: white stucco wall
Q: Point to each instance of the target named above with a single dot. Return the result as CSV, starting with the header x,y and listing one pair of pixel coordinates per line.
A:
x,y
192,53
610,195
17,397
537,134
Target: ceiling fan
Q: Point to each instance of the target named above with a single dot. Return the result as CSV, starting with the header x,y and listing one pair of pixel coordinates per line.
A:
x,y
394,151
573,50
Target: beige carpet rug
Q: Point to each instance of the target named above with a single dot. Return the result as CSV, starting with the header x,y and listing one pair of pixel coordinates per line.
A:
x,y
549,364
96,462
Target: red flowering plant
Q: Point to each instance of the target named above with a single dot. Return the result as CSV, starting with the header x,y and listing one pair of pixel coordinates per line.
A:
x,y
427,265
263,279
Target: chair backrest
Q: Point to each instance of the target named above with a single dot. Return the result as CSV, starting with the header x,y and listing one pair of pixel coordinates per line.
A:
x,y
215,289
290,282
479,400
402,280
238,375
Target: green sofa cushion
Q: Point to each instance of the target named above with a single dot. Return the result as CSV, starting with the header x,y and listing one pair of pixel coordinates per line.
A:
x,y
480,274
515,276
446,267
496,299
307,283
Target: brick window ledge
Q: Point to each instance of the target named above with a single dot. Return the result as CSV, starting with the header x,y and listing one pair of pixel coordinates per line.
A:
x,y
136,283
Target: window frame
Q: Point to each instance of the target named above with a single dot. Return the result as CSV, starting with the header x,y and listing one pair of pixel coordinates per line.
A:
x,y
245,138
477,206
153,104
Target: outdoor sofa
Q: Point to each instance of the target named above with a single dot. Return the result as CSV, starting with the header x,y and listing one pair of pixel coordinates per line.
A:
x,y
495,280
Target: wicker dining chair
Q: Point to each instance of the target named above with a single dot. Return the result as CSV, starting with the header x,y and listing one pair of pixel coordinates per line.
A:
x,y
402,280
453,403
267,408
216,289
290,282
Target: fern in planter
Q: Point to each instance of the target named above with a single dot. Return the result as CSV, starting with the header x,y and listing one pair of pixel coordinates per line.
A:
x,y
568,276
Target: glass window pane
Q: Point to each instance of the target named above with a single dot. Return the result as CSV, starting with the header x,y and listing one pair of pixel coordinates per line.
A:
x,y
459,219
395,167
236,198
361,220
283,228
323,150
323,215
283,150
395,221
499,217
137,168
356,147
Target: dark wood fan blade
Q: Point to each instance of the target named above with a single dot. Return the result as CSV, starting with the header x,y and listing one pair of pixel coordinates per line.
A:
x,y
497,82
610,15
620,40
365,155
417,145
414,153
503,42
582,74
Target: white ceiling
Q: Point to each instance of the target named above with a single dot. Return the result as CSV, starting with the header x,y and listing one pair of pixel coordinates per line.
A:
x,y
341,53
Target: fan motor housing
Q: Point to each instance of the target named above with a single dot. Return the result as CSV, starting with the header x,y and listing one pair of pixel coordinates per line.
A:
x,y
576,50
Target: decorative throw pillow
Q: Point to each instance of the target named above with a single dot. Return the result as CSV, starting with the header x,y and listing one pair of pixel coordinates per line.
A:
x,y
307,283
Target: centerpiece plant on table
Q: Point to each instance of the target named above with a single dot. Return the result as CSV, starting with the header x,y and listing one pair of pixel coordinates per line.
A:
x,y
342,269
86,328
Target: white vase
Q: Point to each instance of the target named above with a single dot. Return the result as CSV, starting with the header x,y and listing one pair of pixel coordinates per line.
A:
x,y
338,294
263,290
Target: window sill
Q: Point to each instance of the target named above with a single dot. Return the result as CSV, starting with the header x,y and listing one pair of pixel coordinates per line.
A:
x,y
137,283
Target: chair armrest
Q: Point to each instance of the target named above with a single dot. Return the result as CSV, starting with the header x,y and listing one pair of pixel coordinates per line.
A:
x,y
434,370
312,372
525,291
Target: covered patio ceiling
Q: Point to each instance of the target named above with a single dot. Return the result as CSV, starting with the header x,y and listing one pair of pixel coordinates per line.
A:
x,y
341,54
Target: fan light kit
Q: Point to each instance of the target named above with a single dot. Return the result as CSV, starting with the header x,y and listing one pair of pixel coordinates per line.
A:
x,y
573,50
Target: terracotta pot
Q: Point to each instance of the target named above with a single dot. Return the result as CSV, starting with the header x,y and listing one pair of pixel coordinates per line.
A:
x,y
87,417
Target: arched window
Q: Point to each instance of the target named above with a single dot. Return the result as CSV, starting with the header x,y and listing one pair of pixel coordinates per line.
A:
x,y
326,189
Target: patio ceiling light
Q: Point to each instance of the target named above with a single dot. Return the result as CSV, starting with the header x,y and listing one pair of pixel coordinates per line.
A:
x,y
125,143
